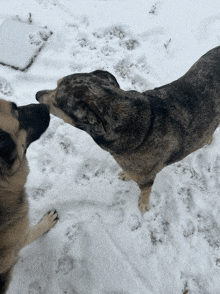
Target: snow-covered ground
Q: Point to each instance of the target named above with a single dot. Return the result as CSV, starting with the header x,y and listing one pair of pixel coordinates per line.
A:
x,y
102,244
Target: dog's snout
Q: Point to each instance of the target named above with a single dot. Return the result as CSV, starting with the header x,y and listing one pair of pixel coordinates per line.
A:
x,y
39,95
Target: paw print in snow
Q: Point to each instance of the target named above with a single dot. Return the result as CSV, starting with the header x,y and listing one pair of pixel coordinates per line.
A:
x,y
129,44
91,168
39,192
39,37
5,87
189,230
73,232
134,222
119,197
34,288
46,164
66,264
66,146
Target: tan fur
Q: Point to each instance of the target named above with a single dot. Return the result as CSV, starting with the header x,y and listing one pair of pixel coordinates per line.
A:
x,y
59,81
15,232
50,100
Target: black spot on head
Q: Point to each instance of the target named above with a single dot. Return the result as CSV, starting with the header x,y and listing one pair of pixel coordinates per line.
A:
x,y
80,91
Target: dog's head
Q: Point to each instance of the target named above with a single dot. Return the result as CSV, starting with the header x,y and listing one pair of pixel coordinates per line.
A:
x,y
95,103
19,127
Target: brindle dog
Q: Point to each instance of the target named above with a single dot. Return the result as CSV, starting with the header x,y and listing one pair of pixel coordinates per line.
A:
x,y
146,131
19,127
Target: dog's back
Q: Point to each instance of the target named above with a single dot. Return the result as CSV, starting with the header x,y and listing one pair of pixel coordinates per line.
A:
x,y
190,105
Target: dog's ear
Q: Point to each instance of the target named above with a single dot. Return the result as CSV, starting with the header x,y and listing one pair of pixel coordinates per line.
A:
x,y
105,75
98,114
7,148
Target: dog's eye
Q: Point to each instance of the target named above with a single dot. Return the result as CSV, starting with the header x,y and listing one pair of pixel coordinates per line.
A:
x,y
16,113
91,119
14,109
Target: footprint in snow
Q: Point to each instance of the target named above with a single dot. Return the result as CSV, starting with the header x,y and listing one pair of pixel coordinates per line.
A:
x,y
34,288
90,168
119,197
66,264
189,229
39,192
186,195
134,222
5,87
67,145
46,164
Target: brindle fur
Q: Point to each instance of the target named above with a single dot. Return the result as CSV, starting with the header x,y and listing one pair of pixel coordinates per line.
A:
x,y
146,131
19,127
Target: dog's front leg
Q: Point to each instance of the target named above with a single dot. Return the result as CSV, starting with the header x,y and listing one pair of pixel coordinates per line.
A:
x,y
144,201
123,176
48,221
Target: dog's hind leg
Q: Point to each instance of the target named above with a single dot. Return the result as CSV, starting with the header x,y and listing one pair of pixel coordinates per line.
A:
x,y
48,221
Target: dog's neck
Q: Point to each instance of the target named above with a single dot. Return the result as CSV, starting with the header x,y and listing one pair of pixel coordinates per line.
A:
x,y
125,134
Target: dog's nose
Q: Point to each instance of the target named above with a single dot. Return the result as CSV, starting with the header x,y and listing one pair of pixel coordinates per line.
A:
x,y
39,95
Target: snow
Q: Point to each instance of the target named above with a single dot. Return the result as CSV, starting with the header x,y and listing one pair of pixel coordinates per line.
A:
x,y
20,43
102,244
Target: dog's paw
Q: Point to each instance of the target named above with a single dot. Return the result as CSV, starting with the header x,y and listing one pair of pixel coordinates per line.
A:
x,y
143,207
123,176
49,220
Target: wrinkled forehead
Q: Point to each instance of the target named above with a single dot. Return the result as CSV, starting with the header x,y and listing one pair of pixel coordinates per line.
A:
x,y
79,86
96,78
86,88
73,79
